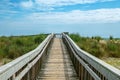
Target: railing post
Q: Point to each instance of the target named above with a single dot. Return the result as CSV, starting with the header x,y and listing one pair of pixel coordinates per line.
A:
x,y
13,77
28,75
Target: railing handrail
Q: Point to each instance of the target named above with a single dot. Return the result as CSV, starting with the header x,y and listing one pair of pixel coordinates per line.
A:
x,y
110,72
7,70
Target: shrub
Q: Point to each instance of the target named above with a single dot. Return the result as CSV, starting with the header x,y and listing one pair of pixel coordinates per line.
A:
x,y
38,39
111,37
19,42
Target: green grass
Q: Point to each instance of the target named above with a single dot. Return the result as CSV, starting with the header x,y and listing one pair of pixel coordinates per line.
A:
x,y
98,46
15,46
107,50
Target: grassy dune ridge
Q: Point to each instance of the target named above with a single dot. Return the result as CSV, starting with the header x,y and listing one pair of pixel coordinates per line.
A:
x,y
98,46
15,46
105,49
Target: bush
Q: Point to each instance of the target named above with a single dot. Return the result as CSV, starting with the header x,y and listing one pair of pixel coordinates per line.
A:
x,y
111,37
38,39
19,42
113,49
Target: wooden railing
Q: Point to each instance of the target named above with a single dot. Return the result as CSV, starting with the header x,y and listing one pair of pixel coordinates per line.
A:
x,y
27,66
87,66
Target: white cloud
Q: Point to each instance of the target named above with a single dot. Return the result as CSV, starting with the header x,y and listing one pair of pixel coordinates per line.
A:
x,y
77,16
27,4
66,2
49,4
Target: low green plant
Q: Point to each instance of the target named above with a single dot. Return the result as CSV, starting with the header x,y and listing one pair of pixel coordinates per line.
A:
x,y
95,46
15,46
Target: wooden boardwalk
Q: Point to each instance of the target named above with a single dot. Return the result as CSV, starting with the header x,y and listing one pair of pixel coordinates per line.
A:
x,y
57,65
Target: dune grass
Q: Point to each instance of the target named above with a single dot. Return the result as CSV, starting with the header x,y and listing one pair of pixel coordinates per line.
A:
x,y
105,49
15,46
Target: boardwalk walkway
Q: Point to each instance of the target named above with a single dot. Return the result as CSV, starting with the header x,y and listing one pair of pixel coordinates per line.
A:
x,y
57,65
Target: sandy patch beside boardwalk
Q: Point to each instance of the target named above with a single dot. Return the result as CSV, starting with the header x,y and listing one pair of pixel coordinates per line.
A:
x,y
113,61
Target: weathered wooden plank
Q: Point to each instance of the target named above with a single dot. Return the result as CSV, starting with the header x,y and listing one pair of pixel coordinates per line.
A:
x,y
58,65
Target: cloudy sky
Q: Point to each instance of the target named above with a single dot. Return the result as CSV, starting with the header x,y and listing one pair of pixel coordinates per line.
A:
x,y
87,17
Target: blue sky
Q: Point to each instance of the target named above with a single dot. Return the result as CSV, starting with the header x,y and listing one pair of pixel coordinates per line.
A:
x,y
87,17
